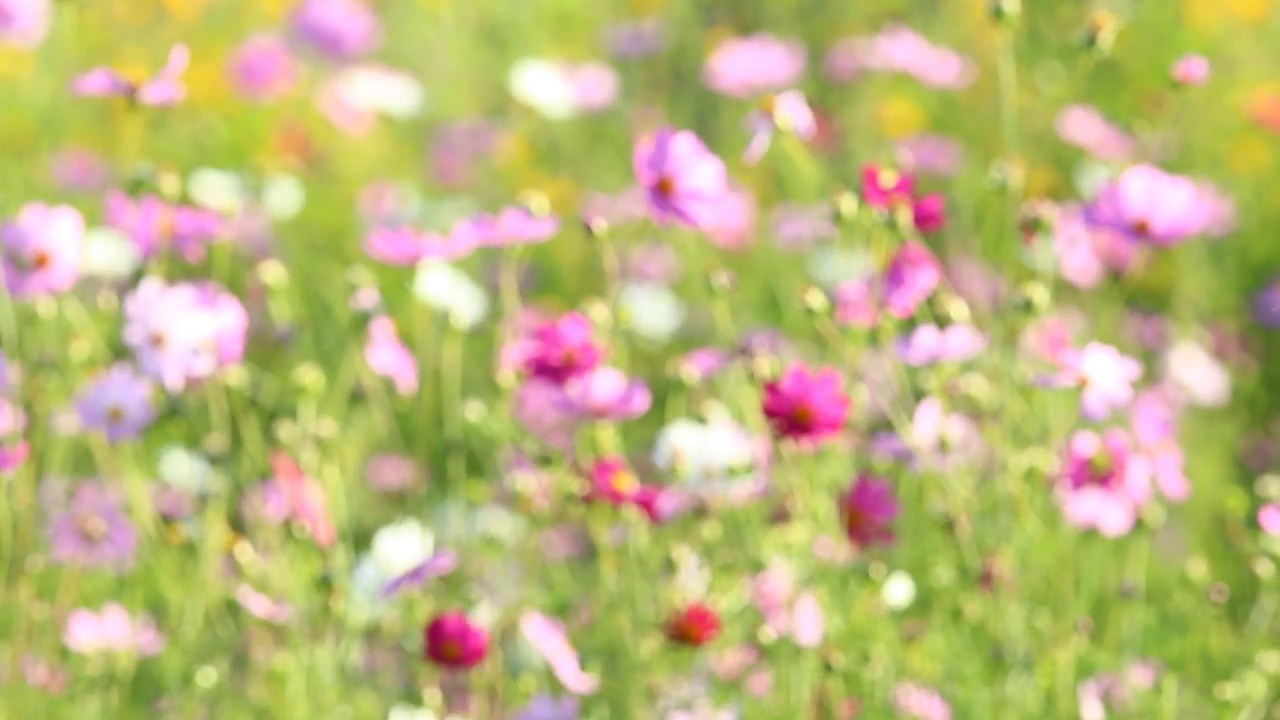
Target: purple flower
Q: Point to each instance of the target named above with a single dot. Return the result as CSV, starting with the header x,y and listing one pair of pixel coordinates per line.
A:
x,y
117,403
340,29
164,88
438,564
900,49
25,23
1104,483
928,344
41,250
387,356
92,531
1266,305
755,64
548,707
183,332
786,112
263,68
635,39
1106,378
1152,206
1086,128
930,155
111,630
155,225
606,393
911,278
685,181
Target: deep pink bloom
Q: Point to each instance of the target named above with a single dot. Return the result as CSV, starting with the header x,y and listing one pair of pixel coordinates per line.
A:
x,y
755,64
606,393
41,250
339,29
695,624
91,530
112,630
1085,127
930,155
1104,483
915,701
899,49
1191,70
685,182
868,510
453,641
928,344
263,68
559,348
389,357
786,112
929,213
117,403
886,189
912,276
164,88
155,225
303,498
25,23
613,482
549,639
184,332
1152,205
1106,378
1269,519
810,406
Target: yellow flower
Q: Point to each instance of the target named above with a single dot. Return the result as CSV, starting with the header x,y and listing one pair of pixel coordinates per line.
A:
x,y
900,117
186,11
513,150
1202,16
1249,11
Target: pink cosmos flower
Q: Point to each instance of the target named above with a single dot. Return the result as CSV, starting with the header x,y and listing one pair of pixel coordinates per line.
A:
x,y
117,403
912,700
557,349
1085,253
912,276
155,225
263,68
807,624
184,332
1154,420
1269,519
732,226
928,344
512,226
262,606
886,189
539,407
899,49
163,89
755,64
1085,127
41,250
786,112
857,304
402,245
79,170
685,182
1106,377
111,630
453,641
868,510
606,393
302,499
595,85
25,23
549,639
339,29
810,406
389,357
613,482
1152,206
930,155
929,213
1104,484
1191,69
91,528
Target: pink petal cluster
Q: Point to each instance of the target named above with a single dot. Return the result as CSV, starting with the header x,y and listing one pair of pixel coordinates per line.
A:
x,y
1104,482
162,89
1152,206
900,49
753,65
155,225
868,510
339,29
1086,252
388,356
111,630
263,68
1088,129
549,638
809,406
890,190
453,641
684,181
183,332
605,393
291,495
41,250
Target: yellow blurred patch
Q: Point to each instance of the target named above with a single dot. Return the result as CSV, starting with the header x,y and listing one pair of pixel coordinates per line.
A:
x,y
513,150
1249,11
15,64
186,11
207,83
1042,181
1202,16
562,193
647,7
276,9
1249,155
900,117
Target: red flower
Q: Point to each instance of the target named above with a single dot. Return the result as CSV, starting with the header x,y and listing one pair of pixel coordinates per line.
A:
x,y
696,625
453,641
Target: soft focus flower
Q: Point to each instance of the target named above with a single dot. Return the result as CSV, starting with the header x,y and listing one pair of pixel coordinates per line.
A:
x,y
560,90
262,606
549,638
1269,519
1085,253
1191,70
1152,206
25,23
14,450
912,700
786,112
1197,375
301,498
1266,305
92,530
731,226
548,707
111,630
389,357
856,304
340,29
885,189
353,98
403,554
898,48
654,312
634,39
755,64
451,291
512,226
941,440
1154,420
183,332
929,344
898,590
41,250
452,641
801,227
930,155
695,624
807,623
1085,127
867,511
392,473
539,407
810,406
1104,484
79,170
929,213
1115,690
911,278
716,459
684,180
613,482
263,68
155,225
606,393
403,245
558,348
117,403
458,149
1105,375
164,88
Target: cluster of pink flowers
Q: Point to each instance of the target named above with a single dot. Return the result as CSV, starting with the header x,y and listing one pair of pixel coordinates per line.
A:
x,y
155,225
112,630
911,277
899,49
401,244
183,332
164,88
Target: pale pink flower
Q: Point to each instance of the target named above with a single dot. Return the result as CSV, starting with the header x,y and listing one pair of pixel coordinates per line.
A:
x,y
549,638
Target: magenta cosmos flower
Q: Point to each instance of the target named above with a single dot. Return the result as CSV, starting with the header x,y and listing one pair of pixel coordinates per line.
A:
x,y
164,88
810,406
155,225
867,511
388,356
558,349
684,181
339,29
117,403
606,393
1152,205
183,332
1104,484
91,530
41,250
453,641
25,23
911,278
263,68
755,64
111,630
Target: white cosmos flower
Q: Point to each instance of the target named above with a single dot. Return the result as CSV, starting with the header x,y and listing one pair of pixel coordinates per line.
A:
x,y
109,254
544,86
283,196
401,546
451,291
185,469
652,311
1197,374
218,190
383,90
715,456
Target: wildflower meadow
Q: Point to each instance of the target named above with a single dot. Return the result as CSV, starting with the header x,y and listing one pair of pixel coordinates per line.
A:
x,y
640,359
